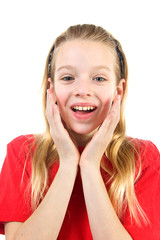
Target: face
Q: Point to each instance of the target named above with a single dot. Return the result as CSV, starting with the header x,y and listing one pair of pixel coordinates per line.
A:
x,y
85,84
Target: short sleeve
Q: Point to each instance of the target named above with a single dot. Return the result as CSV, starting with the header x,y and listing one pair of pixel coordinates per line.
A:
x,y
147,190
14,183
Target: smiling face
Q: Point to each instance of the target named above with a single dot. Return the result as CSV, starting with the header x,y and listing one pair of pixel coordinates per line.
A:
x,y
85,84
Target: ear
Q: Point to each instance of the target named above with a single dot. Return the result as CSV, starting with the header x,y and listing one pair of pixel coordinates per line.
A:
x,y
50,84
120,89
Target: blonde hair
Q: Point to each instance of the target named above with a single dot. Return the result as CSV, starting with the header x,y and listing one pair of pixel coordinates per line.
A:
x,y
120,152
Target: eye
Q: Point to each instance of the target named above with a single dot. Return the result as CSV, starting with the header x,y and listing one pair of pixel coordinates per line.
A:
x,y
99,79
67,78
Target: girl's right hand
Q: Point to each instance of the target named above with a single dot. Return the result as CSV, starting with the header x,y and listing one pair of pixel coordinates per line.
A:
x,y
68,153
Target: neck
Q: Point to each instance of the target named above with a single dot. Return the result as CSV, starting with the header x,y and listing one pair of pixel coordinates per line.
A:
x,y
81,140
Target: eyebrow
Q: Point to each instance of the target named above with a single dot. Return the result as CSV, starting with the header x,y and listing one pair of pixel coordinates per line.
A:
x,y
95,67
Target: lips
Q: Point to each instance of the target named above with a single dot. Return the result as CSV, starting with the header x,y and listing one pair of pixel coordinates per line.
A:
x,y
83,110
83,107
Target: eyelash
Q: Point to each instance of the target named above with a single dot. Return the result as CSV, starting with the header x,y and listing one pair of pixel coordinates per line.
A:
x,y
102,79
65,78
69,78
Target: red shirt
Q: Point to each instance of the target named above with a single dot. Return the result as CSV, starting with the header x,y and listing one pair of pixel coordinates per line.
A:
x,y
15,197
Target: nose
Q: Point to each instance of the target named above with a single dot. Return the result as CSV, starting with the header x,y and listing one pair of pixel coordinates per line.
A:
x,y
83,88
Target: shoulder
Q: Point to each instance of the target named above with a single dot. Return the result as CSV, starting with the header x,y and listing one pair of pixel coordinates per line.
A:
x,y
21,143
22,139
18,158
147,151
144,146
19,150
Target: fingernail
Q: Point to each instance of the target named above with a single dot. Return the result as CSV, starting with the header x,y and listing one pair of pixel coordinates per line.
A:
x,y
119,97
48,92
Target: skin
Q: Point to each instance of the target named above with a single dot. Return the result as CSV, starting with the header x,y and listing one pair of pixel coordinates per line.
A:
x,y
95,132
68,132
85,81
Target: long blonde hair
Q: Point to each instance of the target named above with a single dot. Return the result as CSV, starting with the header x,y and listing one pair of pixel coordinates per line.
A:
x,y
120,152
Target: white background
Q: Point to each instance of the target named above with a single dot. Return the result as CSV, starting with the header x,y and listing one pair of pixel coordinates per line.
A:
x,y
27,30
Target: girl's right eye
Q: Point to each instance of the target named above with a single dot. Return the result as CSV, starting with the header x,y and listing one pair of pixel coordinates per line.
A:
x,y
67,78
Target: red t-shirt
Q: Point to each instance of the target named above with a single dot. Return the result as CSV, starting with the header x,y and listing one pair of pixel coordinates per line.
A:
x,y
15,193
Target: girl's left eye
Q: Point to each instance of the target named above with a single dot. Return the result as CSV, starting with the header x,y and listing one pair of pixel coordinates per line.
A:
x,y
99,79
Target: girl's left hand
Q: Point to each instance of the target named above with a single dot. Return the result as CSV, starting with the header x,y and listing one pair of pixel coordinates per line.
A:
x,y
94,150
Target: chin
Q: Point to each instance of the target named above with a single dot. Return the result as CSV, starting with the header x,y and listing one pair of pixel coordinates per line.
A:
x,y
84,131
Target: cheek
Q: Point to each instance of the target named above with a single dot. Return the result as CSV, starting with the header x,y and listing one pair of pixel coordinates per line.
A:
x,y
108,103
106,107
60,95
107,98
60,98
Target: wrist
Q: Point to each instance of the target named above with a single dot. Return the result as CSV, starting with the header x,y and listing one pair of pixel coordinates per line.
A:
x,y
90,174
70,166
89,167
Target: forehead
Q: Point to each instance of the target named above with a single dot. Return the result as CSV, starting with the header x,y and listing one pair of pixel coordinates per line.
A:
x,y
84,52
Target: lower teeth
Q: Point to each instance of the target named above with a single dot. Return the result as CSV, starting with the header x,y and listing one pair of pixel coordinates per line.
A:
x,y
84,111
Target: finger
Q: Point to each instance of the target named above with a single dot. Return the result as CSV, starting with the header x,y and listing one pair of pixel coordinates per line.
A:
x,y
115,110
52,108
51,94
114,115
49,105
112,119
56,121
50,112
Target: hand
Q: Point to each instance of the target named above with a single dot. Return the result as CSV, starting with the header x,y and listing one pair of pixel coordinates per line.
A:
x,y
93,152
66,148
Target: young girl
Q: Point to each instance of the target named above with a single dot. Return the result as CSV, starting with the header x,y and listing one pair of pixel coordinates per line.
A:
x,y
83,178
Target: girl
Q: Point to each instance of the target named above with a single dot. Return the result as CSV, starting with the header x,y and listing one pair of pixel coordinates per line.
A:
x,y
83,178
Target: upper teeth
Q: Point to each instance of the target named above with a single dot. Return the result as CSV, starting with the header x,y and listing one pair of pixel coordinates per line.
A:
x,y
83,108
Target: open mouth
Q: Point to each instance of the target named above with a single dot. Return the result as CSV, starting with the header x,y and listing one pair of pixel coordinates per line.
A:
x,y
86,109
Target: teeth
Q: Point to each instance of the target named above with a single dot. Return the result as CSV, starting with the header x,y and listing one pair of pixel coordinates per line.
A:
x,y
87,108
